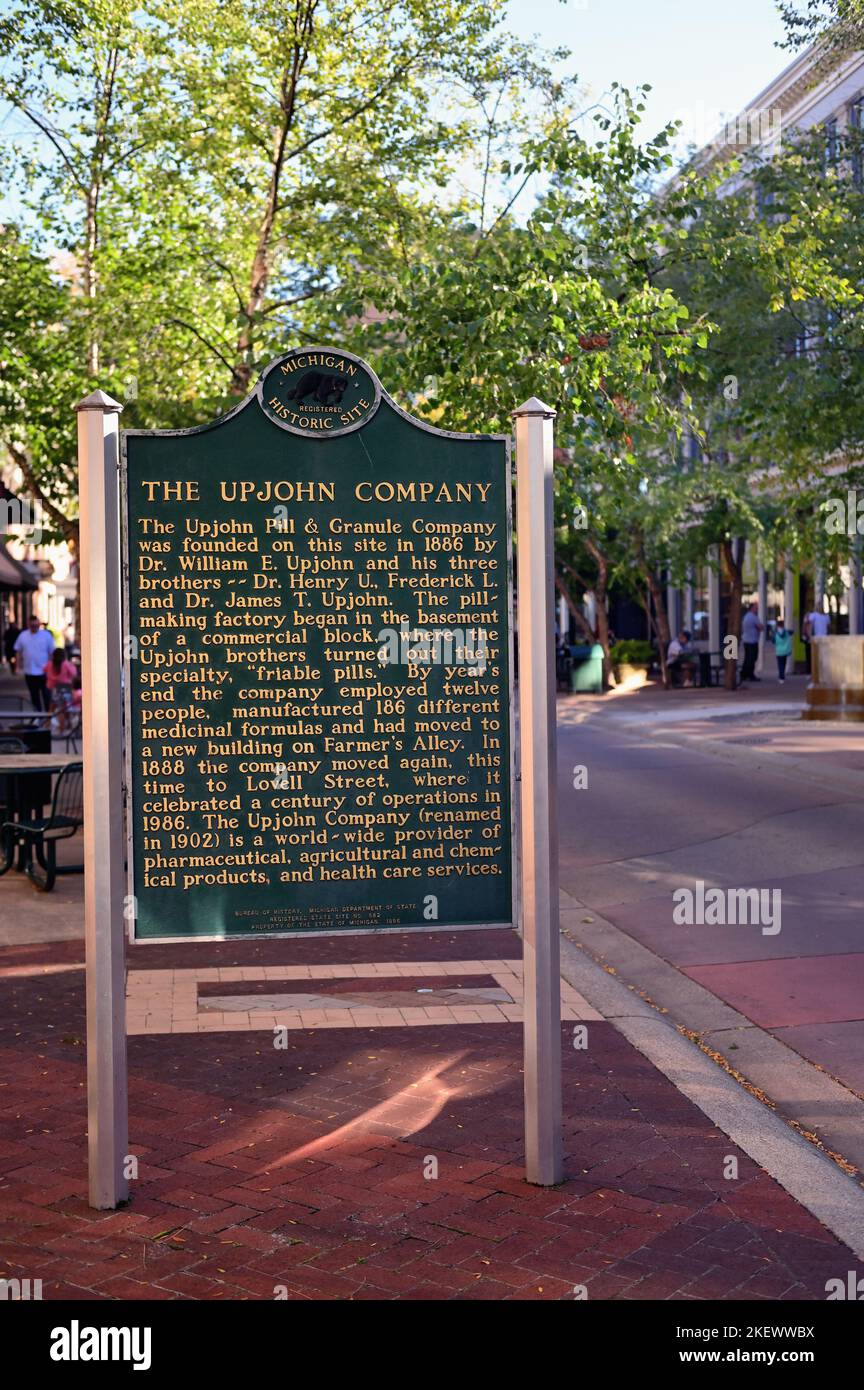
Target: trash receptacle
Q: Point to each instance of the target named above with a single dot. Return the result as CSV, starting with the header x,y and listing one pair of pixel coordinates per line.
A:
x,y
578,654
586,677
704,668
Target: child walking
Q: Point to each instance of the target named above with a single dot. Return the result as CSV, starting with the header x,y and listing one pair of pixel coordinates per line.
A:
x,y
782,648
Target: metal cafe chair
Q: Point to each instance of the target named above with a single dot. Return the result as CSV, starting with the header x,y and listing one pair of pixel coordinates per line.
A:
x,y
71,733
8,744
64,819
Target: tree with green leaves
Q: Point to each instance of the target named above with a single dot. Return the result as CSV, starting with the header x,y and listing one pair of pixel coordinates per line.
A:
x,y
836,25
211,172
774,260
42,342
565,302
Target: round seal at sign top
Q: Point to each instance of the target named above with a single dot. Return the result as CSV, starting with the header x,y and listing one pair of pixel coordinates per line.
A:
x,y
319,392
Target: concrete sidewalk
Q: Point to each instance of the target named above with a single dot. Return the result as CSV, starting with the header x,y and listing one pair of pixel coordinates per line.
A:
x,y
758,726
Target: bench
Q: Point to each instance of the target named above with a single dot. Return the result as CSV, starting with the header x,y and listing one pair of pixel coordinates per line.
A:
x,y
712,669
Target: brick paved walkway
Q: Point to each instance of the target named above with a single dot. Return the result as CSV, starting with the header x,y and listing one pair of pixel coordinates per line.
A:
x,y
299,1171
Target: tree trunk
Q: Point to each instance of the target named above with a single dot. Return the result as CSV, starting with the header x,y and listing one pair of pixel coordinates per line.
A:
x,y
67,528
736,589
662,647
573,608
602,622
105,105
89,278
259,278
659,619
600,593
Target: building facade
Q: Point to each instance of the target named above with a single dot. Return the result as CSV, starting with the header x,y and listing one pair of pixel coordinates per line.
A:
x,y
806,94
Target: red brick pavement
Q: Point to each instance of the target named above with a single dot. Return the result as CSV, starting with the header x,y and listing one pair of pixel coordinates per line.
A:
x,y
302,1171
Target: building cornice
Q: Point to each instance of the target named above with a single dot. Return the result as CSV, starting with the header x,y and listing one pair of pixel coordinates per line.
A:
x,y
794,91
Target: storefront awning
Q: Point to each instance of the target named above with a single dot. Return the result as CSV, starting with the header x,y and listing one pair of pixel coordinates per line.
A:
x,y
13,575
6,495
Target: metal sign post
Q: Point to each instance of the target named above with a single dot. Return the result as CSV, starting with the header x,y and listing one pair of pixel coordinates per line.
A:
x,y
101,650
539,816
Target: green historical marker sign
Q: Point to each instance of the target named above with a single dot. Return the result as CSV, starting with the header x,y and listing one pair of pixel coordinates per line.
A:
x,y
318,690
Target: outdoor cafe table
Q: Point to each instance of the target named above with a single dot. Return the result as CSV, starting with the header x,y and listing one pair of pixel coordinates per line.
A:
x,y
15,768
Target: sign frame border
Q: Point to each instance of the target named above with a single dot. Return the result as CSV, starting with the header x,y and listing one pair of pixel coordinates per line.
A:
x,y
515,786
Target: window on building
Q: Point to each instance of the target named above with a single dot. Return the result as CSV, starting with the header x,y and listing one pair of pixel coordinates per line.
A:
x,y
856,128
831,143
764,200
699,629
689,450
775,594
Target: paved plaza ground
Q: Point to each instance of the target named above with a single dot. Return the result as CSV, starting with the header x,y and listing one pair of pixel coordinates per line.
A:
x,y
378,1154
305,1167
735,790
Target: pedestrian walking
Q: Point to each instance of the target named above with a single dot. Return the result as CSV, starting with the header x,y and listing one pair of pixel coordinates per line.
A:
x,y
782,648
10,637
60,678
33,647
750,630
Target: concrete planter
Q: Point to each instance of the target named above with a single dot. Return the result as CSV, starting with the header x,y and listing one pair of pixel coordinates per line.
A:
x,y
836,689
631,676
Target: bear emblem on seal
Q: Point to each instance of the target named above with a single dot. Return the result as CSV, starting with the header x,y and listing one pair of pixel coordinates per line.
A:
x,y
325,389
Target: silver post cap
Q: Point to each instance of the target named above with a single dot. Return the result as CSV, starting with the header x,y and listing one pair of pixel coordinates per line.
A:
x,y
100,400
533,406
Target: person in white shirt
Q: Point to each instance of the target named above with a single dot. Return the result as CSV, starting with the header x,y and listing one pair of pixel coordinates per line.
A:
x,y
681,656
33,648
817,624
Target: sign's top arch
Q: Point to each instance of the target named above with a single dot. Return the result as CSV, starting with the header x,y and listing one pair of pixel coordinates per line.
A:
x,y
298,391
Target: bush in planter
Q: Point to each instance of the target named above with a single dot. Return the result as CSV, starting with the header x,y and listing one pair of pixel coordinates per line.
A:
x,y
633,651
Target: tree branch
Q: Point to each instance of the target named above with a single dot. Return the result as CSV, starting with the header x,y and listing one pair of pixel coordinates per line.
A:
x,y
67,527
42,125
190,328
